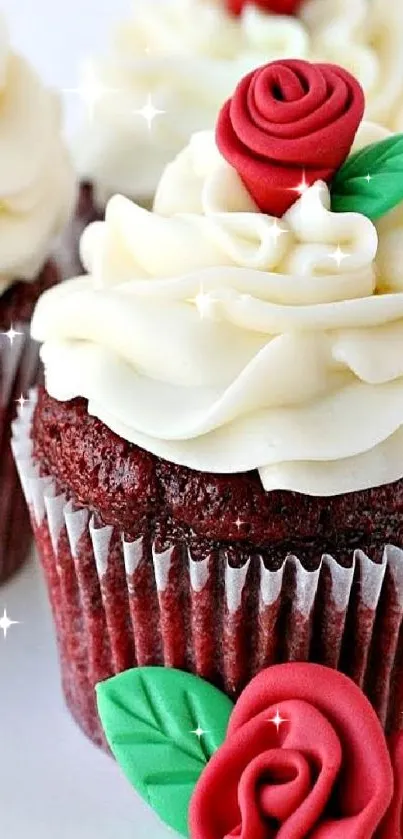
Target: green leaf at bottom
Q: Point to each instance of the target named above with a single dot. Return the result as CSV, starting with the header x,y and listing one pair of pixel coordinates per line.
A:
x,y
149,716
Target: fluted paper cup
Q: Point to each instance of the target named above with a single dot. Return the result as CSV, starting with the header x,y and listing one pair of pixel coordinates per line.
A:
x,y
119,603
19,370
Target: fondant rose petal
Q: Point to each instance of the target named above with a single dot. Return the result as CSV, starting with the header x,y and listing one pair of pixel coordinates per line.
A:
x,y
279,128
324,774
279,7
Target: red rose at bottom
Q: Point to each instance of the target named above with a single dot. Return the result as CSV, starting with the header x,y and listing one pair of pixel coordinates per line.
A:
x,y
323,773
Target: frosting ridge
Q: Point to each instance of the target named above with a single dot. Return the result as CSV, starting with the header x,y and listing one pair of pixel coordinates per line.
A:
x,y
226,340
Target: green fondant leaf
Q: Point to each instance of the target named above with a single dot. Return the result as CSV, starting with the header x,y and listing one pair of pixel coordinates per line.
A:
x,y
371,180
148,715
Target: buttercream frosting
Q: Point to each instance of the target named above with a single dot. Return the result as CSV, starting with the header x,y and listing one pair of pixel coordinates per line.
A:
x,y
225,340
188,55
365,38
37,186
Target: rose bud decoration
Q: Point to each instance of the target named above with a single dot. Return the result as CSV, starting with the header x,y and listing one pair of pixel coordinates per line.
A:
x,y
278,7
289,124
302,755
324,772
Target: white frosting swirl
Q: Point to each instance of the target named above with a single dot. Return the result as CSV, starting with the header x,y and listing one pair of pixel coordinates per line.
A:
x,y
37,187
188,55
366,38
223,340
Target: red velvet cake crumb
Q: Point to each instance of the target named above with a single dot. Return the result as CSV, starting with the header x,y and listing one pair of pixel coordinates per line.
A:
x,y
132,489
18,302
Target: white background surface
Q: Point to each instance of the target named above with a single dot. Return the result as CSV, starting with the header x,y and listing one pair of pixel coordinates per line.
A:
x,y
53,783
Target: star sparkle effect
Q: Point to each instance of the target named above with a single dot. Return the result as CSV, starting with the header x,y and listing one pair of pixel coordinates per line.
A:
x,y
277,720
198,732
6,622
338,255
22,401
148,112
12,334
368,178
91,91
301,187
276,231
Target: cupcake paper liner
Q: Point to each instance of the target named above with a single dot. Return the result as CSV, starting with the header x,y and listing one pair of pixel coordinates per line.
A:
x,y
119,603
19,370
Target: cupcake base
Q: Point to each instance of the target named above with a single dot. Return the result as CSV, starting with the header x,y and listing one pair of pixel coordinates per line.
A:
x,y
19,371
86,212
120,601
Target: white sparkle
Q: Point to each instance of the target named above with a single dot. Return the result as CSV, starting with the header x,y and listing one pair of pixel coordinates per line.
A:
x,y
6,622
12,334
91,91
239,522
276,231
148,112
198,732
368,177
301,187
203,302
338,255
277,720
22,401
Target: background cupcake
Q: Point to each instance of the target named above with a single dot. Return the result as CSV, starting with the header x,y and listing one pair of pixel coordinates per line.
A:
x,y
215,472
36,196
168,69
173,62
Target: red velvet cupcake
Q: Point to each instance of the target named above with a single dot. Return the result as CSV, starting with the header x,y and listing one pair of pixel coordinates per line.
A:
x,y
36,197
215,471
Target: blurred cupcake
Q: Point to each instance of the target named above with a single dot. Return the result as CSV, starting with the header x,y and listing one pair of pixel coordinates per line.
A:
x,y
215,471
173,62
36,196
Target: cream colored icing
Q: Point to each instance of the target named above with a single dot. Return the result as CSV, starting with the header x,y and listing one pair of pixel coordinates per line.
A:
x,y
366,38
224,340
188,55
37,186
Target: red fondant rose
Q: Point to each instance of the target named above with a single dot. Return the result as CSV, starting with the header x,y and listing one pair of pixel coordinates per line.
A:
x,y
324,774
287,122
279,7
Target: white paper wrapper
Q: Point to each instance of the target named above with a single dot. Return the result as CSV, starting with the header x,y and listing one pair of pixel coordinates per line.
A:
x,y
19,367
118,603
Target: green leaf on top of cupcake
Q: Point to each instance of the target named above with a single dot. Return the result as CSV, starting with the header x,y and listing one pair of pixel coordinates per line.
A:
x,y
291,123
371,180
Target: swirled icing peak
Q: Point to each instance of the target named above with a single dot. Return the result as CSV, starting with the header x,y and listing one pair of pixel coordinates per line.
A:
x,y
227,340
